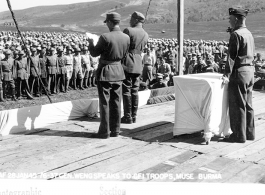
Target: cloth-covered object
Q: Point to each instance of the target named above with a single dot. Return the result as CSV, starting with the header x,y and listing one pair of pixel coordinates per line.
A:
x,y
201,102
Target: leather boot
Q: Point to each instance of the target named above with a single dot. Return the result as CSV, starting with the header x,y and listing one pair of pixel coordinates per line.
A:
x,y
81,84
14,95
85,83
127,107
135,100
1,96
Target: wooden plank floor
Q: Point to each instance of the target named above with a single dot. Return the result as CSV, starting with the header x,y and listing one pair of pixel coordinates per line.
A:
x,y
145,151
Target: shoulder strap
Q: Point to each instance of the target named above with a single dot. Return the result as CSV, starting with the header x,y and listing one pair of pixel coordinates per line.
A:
x,y
141,41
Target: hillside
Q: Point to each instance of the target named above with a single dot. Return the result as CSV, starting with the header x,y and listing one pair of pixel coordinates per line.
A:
x,y
82,15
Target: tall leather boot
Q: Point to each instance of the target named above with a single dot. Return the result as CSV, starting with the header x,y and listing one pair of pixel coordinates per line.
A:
x,y
2,96
81,84
14,95
127,107
135,100
85,83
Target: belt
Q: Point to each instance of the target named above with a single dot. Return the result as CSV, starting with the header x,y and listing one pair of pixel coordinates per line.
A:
x,y
242,65
135,51
148,64
107,62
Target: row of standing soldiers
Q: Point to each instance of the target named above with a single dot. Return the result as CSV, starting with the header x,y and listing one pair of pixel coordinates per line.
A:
x,y
55,68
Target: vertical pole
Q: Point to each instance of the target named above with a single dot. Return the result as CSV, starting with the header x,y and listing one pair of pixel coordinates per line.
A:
x,y
180,34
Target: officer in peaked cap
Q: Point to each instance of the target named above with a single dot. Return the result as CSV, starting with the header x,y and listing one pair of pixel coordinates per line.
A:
x,y
112,48
240,72
133,66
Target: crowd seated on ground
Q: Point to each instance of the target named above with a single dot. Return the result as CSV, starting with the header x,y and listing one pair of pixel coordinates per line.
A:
x,y
61,62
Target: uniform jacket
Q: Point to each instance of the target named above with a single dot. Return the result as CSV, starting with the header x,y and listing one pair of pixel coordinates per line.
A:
x,y
138,40
241,49
43,66
22,68
61,65
52,64
35,61
7,69
112,48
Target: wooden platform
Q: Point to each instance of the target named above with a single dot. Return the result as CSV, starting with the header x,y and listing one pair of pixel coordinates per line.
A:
x,y
146,151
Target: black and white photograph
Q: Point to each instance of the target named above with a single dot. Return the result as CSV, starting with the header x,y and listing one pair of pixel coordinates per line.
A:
x,y
116,97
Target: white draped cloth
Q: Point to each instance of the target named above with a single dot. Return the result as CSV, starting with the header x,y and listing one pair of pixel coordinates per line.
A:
x,y
201,104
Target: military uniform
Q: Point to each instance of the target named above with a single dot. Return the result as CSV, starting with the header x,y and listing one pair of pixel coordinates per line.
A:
x,y
86,61
133,67
52,67
68,60
77,69
43,67
7,72
34,64
61,77
241,81
22,70
111,47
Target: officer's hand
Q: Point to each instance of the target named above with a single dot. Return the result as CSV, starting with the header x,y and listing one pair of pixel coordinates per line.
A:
x,y
225,79
90,41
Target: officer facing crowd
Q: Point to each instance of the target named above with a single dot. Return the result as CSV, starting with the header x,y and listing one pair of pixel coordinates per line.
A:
x,y
111,47
240,71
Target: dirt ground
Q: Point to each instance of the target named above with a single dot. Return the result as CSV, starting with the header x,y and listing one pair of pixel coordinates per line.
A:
x,y
61,97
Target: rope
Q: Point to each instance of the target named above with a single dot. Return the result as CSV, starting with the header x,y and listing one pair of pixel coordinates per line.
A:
x,y
147,9
27,51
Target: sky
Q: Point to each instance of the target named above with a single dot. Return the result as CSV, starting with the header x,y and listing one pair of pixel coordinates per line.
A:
x,y
23,4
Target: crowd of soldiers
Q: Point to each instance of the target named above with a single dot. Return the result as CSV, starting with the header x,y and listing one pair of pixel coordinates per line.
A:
x,y
61,61
198,57
57,61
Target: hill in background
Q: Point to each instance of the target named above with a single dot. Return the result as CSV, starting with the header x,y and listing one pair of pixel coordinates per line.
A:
x,y
92,13
205,19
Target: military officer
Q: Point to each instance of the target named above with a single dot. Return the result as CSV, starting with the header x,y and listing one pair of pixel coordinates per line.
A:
x,y
7,72
86,61
34,64
77,69
43,67
240,72
61,77
133,67
68,58
111,47
22,70
53,69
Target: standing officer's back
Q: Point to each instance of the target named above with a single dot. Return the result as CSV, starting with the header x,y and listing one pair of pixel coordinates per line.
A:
x,y
133,67
111,47
138,40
